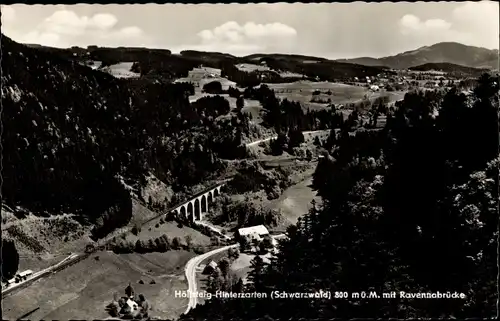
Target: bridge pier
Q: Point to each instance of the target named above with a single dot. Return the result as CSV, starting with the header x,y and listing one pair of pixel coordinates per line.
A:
x,y
204,200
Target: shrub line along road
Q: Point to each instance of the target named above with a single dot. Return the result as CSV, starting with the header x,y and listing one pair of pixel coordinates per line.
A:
x,y
193,263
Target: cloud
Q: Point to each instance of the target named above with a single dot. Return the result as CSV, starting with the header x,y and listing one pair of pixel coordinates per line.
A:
x,y
8,14
130,32
412,24
66,22
231,31
65,28
473,23
104,20
46,38
250,37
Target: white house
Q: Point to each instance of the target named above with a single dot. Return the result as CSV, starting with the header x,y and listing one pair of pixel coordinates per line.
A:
x,y
253,232
11,281
210,267
23,275
374,88
130,308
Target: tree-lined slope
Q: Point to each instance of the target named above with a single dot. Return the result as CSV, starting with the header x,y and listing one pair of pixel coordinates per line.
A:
x,y
70,131
412,207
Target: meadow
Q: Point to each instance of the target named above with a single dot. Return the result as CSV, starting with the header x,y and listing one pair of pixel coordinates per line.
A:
x,y
83,290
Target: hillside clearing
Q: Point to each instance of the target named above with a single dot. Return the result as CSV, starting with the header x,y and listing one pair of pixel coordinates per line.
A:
x,y
302,91
295,200
252,67
171,229
122,70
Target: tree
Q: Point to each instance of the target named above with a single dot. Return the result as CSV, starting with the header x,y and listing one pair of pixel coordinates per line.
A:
x,y
129,291
113,308
144,304
214,87
139,247
256,274
151,247
224,267
135,230
189,242
10,259
267,242
214,281
238,287
233,253
279,144
240,102
176,243
244,244
295,138
317,141
233,92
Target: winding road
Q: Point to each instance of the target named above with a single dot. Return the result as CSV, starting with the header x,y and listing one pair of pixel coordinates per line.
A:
x,y
195,262
257,142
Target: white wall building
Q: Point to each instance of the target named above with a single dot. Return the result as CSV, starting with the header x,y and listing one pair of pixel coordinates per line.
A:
x,y
253,232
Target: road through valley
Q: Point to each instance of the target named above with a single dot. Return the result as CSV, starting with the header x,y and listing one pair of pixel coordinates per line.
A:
x,y
191,271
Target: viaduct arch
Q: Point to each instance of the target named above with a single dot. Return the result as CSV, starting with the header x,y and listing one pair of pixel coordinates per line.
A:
x,y
199,205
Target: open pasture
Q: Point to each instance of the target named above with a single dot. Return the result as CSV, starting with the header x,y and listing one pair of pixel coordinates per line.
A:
x,y
171,229
122,70
252,67
302,91
83,290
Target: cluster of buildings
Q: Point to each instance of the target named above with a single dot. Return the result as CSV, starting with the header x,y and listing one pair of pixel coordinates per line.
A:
x,y
404,78
132,306
254,235
22,276
381,81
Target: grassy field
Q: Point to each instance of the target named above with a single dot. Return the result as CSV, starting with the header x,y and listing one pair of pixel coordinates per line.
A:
x,y
42,242
201,76
35,237
295,200
122,70
83,290
252,67
254,108
198,76
171,230
302,91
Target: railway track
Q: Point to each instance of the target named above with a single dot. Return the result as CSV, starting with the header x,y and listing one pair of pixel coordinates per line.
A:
x,y
82,256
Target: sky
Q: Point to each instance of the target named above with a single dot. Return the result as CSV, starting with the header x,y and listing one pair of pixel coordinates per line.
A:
x,y
331,30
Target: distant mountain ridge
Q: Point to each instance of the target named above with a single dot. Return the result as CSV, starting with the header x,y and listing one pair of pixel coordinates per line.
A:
x,y
443,52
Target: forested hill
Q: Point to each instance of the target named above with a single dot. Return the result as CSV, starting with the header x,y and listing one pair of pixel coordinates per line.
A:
x,y
412,207
70,131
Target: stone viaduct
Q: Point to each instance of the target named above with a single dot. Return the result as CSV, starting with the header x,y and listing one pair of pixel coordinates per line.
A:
x,y
199,204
